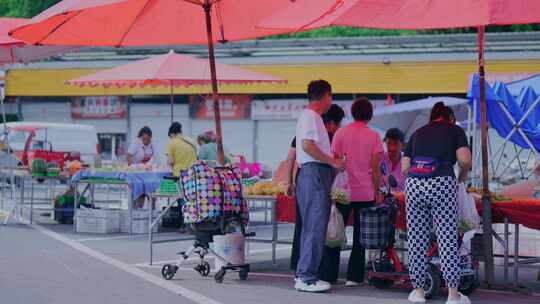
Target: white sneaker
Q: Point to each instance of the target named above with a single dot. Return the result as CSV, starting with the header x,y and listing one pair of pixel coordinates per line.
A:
x,y
314,287
325,283
352,284
463,299
297,279
414,298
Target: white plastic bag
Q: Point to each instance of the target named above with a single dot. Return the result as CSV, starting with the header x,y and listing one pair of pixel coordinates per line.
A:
x,y
466,242
468,214
341,192
335,232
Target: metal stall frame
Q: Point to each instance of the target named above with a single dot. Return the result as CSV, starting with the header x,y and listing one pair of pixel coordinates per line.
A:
x,y
22,177
90,185
496,156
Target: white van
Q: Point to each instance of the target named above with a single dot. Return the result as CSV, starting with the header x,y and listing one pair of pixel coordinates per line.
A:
x,y
25,137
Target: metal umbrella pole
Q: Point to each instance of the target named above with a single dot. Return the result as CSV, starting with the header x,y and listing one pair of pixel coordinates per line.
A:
x,y
8,148
172,103
486,198
211,57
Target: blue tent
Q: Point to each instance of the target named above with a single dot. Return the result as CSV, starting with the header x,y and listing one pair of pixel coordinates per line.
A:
x,y
526,99
504,112
516,87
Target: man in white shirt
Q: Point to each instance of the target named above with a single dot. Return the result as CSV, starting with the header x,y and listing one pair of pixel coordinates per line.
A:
x,y
314,181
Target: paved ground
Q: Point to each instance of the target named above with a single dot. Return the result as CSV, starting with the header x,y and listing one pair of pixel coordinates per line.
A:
x,y
51,264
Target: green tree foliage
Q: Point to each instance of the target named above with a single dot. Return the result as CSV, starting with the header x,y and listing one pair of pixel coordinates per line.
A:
x,y
24,8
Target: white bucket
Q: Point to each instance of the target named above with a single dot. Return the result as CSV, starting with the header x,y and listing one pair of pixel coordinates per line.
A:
x,y
231,247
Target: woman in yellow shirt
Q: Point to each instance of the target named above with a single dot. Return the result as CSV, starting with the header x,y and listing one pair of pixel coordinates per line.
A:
x,y
181,150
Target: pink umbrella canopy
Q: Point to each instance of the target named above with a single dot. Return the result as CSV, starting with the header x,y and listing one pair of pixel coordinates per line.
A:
x,y
403,14
16,51
171,70
147,22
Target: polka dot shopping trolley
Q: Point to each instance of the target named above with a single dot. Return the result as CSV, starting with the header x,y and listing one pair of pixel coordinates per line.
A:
x,y
213,204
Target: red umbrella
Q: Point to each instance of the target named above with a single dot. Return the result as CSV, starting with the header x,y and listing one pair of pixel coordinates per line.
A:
x,y
171,70
418,14
403,14
16,51
152,22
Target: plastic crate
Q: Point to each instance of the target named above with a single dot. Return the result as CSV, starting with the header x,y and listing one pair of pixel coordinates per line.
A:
x,y
139,223
98,221
51,157
168,187
104,180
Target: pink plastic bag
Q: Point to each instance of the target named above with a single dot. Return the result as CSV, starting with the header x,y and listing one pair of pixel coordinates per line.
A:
x,y
335,232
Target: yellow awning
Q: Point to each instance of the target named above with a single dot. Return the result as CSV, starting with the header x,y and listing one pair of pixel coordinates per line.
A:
x,y
425,77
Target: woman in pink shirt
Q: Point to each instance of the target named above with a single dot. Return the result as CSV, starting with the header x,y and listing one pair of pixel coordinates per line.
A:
x,y
363,149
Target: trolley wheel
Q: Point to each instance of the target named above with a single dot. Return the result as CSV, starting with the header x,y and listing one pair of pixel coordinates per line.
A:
x,y
468,284
168,271
218,277
433,282
243,274
203,268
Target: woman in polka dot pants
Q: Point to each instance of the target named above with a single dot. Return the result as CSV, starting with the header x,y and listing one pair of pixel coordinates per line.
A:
x,y
432,199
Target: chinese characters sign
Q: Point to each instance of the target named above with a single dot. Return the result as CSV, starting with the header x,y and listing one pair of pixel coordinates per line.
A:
x,y
99,107
277,109
232,107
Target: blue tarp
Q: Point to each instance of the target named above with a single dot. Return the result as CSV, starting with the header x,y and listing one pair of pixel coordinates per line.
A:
x,y
499,98
533,82
139,182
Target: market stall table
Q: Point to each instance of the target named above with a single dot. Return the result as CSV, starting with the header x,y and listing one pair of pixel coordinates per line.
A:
x,y
272,201
137,184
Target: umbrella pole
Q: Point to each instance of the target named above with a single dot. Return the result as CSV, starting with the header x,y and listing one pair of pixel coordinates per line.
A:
x,y
211,57
172,104
486,198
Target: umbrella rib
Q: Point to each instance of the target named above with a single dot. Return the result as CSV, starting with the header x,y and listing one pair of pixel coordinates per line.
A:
x,y
196,2
329,11
133,22
216,2
58,27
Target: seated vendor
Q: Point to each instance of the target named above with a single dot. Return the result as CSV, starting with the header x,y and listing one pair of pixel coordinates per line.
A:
x,y
395,142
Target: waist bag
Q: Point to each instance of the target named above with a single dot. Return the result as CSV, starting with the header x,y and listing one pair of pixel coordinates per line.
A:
x,y
422,166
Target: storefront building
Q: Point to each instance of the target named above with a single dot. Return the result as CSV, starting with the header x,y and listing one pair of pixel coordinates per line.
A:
x,y
259,120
